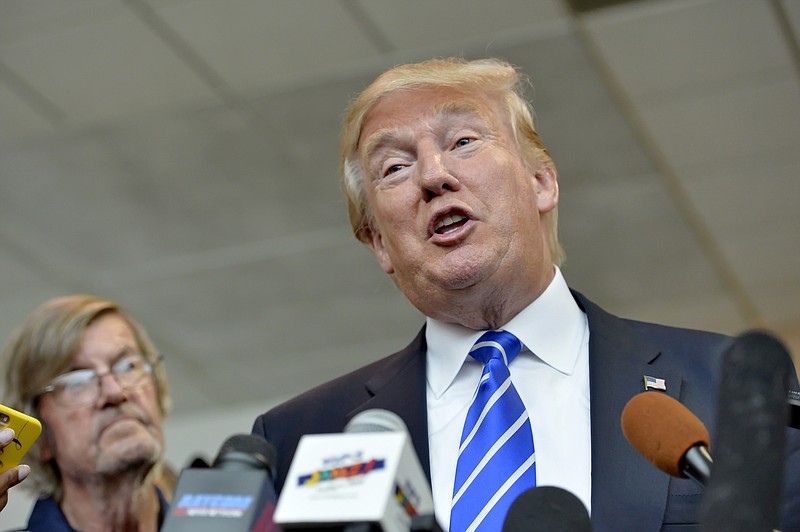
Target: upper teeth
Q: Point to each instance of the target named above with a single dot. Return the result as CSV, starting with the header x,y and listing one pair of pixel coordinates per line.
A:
x,y
448,220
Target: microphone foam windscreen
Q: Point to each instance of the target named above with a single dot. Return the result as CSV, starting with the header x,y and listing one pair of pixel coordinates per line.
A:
x,y
662,430
547,509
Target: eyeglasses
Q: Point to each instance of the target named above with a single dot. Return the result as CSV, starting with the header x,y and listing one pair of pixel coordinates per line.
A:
x,y
82,387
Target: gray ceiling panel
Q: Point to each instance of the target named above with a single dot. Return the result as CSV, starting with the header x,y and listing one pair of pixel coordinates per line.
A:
x,y
193,173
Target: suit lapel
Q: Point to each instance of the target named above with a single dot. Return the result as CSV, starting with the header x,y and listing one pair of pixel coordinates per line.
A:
x,y
400,388
628,493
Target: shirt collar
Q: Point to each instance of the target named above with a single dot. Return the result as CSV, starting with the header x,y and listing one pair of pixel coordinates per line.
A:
x,y
551,327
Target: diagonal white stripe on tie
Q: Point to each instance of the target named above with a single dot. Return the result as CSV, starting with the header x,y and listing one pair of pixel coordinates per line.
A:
x,y
502,491
496,457
488,456
489,404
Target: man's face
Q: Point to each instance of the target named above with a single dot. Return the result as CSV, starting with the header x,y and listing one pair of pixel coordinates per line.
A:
x,y
121,430
456,209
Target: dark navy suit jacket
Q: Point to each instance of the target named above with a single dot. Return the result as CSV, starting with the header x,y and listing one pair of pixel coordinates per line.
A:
x,y
628,493
47,516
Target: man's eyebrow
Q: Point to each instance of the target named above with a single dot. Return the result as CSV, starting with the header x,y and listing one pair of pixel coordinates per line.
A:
x,y
461,108
450,109
382,137
120,353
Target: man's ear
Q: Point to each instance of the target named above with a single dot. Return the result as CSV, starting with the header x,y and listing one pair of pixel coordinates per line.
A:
x,y
375,243
45,446
546,181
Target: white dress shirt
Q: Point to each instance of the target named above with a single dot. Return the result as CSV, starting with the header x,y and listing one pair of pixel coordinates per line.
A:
x,y
551,374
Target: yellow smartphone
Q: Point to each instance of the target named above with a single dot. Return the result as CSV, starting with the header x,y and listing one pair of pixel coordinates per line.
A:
x,y
26,430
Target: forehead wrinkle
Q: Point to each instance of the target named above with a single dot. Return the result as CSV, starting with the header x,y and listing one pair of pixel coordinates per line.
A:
x,y
454,108
441,113
116,356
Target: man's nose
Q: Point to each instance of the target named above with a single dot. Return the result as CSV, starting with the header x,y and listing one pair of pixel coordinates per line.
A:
x,y
435,176
110,389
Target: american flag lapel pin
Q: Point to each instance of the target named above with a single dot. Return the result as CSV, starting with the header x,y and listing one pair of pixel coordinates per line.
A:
x,y
654,383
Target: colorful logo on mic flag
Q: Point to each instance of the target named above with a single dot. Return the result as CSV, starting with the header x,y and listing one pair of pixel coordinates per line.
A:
x,y
348,471
404,499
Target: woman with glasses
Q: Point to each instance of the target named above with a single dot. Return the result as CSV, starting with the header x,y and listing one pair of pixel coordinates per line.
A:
x,y
89,373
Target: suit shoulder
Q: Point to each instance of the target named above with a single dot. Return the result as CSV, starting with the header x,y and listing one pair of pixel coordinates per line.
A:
x,y
605,323
327,408
350,383
685,337
329,402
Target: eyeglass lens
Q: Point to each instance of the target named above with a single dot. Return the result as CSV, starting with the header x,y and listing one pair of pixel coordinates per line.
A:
x,y
82,386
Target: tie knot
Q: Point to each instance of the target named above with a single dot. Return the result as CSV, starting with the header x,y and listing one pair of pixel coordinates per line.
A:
x,y
500,345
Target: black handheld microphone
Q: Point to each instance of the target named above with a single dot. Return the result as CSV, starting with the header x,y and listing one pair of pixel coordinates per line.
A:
x,y
744,493
235,494
547,509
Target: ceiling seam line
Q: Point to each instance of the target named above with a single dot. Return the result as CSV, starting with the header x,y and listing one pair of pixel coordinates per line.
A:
x,y
77,284
742,301
35,99
41,264
368,26
202,69
180,47
787,32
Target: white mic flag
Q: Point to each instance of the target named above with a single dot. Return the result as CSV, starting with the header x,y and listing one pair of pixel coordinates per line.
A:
x,y
368,474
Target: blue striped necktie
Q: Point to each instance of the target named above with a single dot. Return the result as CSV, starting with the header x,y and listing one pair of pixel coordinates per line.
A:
x,y
496,459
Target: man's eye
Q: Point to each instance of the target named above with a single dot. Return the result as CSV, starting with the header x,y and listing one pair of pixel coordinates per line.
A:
x,y
76,379
462,142
124,366
128,365
392,169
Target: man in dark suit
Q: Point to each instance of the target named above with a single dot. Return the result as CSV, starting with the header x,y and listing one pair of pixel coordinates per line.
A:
x,y
451,187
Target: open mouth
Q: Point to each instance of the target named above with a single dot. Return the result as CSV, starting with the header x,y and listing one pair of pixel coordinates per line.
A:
x,y
449,223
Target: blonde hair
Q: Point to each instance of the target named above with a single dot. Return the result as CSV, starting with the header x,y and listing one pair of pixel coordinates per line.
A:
x,y
490,76
42,348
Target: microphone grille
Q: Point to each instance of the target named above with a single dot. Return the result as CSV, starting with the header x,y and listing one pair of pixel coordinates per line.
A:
x,y
376,420
251,445
547,509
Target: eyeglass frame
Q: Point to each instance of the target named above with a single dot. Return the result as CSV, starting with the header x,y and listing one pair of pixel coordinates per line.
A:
x,y
149,366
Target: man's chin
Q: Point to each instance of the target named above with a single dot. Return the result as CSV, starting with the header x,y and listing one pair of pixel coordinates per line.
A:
x,y
465,267
129,454
463,278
